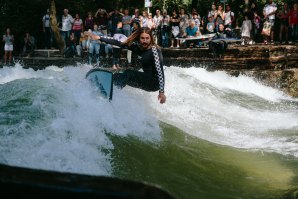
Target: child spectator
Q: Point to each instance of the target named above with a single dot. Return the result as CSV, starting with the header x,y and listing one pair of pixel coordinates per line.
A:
x,y
246,30
210,27
256,27
197,19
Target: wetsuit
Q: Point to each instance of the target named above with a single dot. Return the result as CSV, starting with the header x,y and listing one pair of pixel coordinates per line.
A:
x,y
152,79
218,48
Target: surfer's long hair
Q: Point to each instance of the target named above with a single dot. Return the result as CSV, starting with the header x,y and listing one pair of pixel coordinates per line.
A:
x,y
135,37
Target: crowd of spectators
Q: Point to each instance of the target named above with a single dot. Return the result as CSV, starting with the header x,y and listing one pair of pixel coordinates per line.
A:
x,y
257,25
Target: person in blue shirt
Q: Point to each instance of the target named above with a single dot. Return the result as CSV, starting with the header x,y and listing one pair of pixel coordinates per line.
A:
x,y
94,46
191,31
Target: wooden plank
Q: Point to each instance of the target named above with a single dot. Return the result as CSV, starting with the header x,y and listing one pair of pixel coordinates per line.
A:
x,y
47,50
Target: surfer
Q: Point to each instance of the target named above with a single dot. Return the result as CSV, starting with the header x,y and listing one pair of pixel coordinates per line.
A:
x,y
218,48
152,77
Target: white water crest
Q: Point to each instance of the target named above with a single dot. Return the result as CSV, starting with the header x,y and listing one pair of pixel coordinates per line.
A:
x,y
234,111
54,119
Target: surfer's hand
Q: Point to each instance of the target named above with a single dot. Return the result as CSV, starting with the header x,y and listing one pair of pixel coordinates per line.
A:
x,y
162,98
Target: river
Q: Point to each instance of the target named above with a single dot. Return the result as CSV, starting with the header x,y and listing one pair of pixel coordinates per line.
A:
x,y
217,136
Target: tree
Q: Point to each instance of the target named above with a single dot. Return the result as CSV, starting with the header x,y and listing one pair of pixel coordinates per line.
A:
x,y
54,26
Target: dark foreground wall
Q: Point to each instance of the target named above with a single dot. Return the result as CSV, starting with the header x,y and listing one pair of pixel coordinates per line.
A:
x,y
17,182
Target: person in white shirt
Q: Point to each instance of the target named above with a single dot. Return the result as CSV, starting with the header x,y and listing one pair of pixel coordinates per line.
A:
x,y
157,32
67,21
246,29
184,21
47,29
269,15
213,11
8,40
229,17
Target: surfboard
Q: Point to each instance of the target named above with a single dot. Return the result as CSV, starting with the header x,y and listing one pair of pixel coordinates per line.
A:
x,y
102,80
227,40
200,37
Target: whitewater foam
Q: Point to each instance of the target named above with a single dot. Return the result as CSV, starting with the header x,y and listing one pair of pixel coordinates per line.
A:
x,y
64,113
64,122
234,111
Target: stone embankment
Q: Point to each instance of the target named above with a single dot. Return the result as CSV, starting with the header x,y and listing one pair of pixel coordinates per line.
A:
x,y
274,65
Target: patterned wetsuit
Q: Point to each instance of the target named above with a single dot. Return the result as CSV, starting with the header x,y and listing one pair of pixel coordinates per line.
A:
x,y
152,79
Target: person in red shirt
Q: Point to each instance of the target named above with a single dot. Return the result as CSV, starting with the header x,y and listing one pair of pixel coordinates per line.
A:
x,y
283,15
293,19
77,27
89,22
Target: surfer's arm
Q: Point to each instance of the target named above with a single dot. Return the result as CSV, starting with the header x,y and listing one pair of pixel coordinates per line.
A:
x,y
108,40
160,73
111,41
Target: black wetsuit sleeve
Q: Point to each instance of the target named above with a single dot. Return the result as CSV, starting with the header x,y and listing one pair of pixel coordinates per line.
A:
x,y
112,41
158,60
